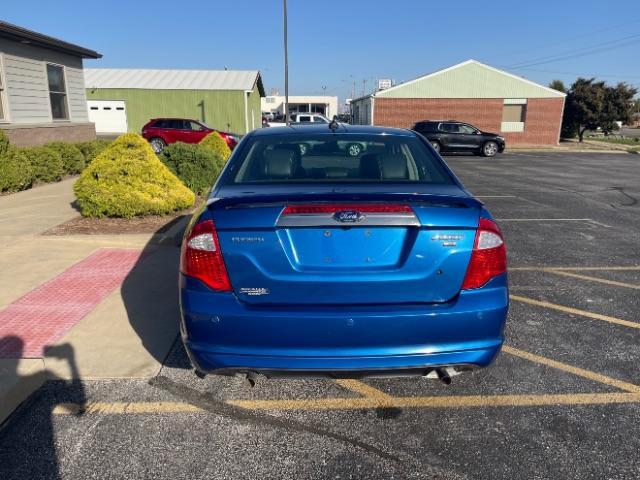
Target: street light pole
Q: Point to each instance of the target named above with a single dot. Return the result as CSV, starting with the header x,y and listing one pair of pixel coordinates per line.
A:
x,y
286,68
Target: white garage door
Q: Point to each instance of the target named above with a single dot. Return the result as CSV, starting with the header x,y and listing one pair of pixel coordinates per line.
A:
x,y
110,116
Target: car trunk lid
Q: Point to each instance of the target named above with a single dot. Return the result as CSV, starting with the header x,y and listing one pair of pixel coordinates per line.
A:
x,y
342,248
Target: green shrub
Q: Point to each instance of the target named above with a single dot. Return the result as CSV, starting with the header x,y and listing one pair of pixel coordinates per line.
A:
x,y
128,180
197,166
46,163
217,145
16,172
72,157
92,149
4,143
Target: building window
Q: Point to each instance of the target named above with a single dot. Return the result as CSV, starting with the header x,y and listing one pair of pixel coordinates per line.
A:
x,y
57,92
514,113
3,116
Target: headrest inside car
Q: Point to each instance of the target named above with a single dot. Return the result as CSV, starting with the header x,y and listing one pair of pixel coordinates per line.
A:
x,y
278,163
394,167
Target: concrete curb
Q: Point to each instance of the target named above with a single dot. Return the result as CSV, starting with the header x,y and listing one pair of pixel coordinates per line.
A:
x,y
567,151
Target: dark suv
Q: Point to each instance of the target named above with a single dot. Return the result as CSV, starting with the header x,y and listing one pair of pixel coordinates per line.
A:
x,y
452,136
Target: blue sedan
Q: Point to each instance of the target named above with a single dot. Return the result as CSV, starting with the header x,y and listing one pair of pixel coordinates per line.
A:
x,y
314,257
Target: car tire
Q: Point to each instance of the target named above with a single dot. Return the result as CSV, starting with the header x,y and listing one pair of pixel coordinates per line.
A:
x,y
435,145
489,149
157,144
354,149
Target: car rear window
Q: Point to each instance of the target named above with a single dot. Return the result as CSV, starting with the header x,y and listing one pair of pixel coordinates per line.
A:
x,y
331,158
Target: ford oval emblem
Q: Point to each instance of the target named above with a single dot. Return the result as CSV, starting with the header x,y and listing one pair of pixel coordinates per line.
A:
x,y
348,216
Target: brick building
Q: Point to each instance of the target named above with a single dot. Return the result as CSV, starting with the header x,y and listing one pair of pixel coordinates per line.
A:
x,y
522,111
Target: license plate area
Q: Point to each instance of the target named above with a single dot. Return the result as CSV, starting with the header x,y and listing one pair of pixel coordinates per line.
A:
x,y
357,248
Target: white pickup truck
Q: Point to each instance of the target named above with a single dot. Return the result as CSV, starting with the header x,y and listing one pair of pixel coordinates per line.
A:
x,y
353,149
301,118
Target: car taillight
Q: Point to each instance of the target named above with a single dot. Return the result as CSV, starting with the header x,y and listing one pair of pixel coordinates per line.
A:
x,y
201,257
335,207
489,256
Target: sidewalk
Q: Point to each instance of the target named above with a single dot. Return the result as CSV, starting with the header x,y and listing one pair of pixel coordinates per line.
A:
x,y
110,300
33,211
572,147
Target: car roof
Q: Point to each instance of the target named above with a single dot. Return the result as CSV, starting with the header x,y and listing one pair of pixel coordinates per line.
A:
x,y
176,118
439,121
324,128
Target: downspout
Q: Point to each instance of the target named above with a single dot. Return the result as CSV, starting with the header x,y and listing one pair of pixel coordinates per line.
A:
x,y
373,107
246,111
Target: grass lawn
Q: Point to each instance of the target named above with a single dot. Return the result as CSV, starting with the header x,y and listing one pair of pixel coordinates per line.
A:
x,y
622,141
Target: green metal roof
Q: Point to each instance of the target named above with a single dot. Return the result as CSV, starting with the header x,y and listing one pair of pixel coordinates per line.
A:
x,y
470,79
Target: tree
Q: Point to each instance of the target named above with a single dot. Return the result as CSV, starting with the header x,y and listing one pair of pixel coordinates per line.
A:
x,y
558,85
591,105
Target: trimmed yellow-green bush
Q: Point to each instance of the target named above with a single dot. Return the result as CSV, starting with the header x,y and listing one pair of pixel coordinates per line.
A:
x,y
92,149
127,179
197,166
16,172
46,164
217,145
72,157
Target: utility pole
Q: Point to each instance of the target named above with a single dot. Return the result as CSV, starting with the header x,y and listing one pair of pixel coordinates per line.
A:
x,y
324,91
286,68
364,87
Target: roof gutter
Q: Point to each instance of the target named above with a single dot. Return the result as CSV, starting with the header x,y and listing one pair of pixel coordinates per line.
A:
x,y
25,36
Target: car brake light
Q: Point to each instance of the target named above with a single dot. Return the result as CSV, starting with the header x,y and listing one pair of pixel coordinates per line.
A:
x,y
489,256
334,207
201,257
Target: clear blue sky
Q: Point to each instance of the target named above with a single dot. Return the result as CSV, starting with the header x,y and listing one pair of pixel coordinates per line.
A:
x,y
332,42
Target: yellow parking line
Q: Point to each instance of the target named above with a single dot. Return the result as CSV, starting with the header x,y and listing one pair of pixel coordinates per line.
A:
x,y
575,269
465,401
118,408
593,279
575,311
362,388
596,377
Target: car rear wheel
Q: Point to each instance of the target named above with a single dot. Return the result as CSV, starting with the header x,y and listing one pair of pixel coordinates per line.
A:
x,y
489,149
436,146
157,144
354,149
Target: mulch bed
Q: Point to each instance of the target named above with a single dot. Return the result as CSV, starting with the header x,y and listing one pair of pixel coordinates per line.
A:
x,y
114,226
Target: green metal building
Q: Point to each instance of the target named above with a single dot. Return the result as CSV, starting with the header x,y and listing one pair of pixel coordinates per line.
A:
x,y
121,100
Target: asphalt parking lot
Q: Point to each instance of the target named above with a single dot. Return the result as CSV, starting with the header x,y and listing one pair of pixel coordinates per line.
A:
x,y
561,402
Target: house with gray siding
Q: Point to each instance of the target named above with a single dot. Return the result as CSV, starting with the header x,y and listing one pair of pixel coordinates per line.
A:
x,y
42,94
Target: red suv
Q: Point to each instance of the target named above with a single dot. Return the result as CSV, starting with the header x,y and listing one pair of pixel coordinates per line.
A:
x,y
162,131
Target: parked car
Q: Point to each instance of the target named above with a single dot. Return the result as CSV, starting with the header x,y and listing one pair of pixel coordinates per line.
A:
x,y
325,263
161,132
452,136
278,121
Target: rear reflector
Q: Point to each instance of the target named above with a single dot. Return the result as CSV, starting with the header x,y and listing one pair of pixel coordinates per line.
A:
x,y
337,207
201,257
489,257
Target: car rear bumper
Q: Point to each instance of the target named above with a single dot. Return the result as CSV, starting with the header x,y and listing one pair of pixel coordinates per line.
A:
x,y
223,334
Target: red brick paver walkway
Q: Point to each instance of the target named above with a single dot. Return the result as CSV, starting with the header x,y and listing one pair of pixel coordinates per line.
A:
x,y
45,314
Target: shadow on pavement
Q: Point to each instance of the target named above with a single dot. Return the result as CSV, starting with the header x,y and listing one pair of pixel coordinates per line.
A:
x,y
150,296
27,439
